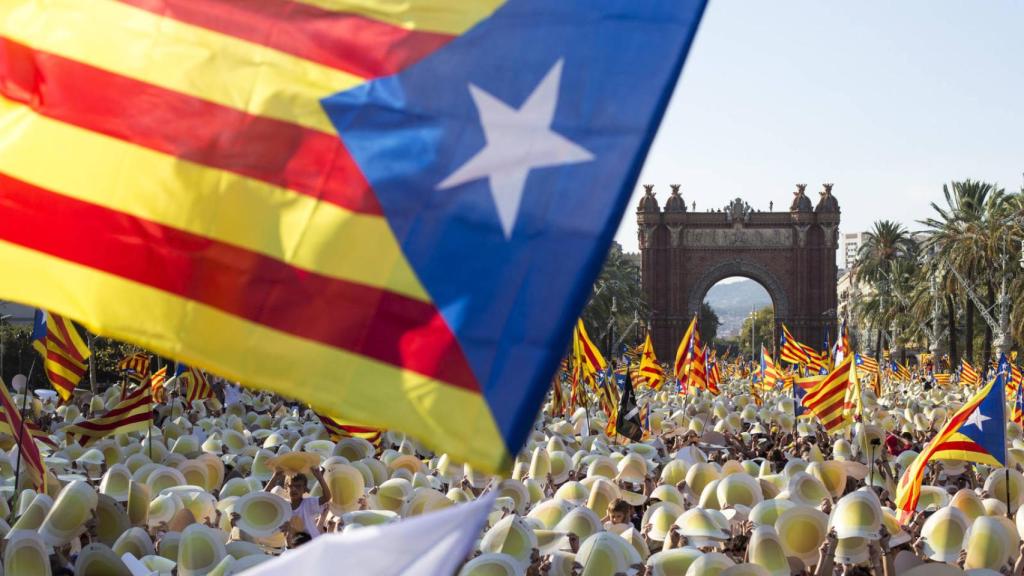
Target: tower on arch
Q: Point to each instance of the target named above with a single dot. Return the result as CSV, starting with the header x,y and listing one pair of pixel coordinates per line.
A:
x,y
792,254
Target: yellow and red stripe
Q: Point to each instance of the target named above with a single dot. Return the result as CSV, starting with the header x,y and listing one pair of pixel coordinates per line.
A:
x,y
64,352
949,444
28,451
826,398
337,430
135,412
199,111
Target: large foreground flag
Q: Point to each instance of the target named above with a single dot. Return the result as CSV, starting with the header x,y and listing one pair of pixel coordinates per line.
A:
x,y
393,211
975,433
27,449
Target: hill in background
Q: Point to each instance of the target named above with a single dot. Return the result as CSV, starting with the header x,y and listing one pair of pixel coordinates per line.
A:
x,y
734,301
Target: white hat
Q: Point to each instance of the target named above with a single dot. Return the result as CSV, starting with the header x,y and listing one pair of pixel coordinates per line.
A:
x,y
199,551
943,534
261,513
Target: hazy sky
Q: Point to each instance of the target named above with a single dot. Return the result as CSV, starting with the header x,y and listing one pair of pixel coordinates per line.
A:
x,y
888,100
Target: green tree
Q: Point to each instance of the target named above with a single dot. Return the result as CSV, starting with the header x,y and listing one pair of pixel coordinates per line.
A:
x,y
708,322
763,322
617,303
886,262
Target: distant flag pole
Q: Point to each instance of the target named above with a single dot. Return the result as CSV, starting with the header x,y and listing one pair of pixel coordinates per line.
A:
x,y
21,429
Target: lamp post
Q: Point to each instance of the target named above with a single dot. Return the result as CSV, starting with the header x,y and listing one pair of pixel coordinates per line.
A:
x,y
753,327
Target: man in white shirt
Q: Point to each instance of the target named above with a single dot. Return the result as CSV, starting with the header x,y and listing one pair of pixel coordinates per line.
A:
x,y
305,510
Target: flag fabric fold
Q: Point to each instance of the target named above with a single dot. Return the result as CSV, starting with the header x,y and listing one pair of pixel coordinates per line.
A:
x,y
133,413
392,215
65,354
27,449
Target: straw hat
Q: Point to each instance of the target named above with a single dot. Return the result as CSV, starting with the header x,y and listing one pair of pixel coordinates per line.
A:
x,y
852,551
700,475
832,474
943,534
100,560
667,493
561,465
354,448
766,551
34,513
550,512
135,542
164,477
111,520
661,517
369,518
163,508
491,565
517,491
995,485
138,503
168,546
510,536
573,492
673,562
194,472
606,553
261,470
407,462
391,495
932,498
425,500
765,513
858,514
25,554
700,527
261,514
347,487
632,468
116,481
637,541
739,488
988,544
199,551
581,521
199,502
897,535
674,472
602,466
68,515
801,530
806,489
293,462
710,564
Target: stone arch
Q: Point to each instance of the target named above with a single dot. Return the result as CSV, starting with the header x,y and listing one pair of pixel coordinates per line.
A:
x,y
746,269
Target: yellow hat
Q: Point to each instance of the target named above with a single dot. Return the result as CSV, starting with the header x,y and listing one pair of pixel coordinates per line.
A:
x,y
168,546
765,513
573,492
637,541
852,551
68,515
806,489
857,515
138,503
561,465
739,488
832,474
100,560
111,520
606,553
968,502
602,466
199,551
540,464
425,500
801,530
710,564
897,535
517,491
135,542
632,468
261,469
35,512
943,534
164,477
661,517
115,482
194,472
491,565
354,448
673,472
581,521
932,498
766,551
294,462
995,485
199,502
261,514
667,493
550,512
25,554
163,508
214,471
369,518
700,475
407,462
698,525
988,544
673,562
391,495
347,487
510,536
994,507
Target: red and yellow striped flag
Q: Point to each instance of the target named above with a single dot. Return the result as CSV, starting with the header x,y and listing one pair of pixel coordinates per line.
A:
x,y
684,350
792,351
133,413
968,375
827,396
27,449
65,354
156,384
337,430
136,365
590,356
649,367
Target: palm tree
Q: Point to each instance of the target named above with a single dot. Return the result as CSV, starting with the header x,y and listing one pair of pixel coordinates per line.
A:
x,y
883,262
617,304
966,237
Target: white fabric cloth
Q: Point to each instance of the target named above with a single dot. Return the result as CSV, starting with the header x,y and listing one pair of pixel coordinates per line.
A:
x,y
430,545
308,512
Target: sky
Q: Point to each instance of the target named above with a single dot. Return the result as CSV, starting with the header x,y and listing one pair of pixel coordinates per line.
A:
x,y
888,100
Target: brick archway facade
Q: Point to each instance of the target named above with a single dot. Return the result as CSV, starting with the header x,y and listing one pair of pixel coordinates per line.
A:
x,y
792,254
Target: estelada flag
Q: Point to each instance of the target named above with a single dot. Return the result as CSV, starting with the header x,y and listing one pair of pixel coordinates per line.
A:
x,y
393,211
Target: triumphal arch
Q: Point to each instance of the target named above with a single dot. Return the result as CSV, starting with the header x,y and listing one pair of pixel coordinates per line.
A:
x,y
684,252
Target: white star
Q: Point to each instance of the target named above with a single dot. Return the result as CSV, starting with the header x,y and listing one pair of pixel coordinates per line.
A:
x,y
976,419
517,141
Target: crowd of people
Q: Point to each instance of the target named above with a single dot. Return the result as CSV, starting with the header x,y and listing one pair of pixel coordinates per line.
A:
x,y
719,485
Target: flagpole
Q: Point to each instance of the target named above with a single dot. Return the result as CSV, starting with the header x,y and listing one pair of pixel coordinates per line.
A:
x,y
21,429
